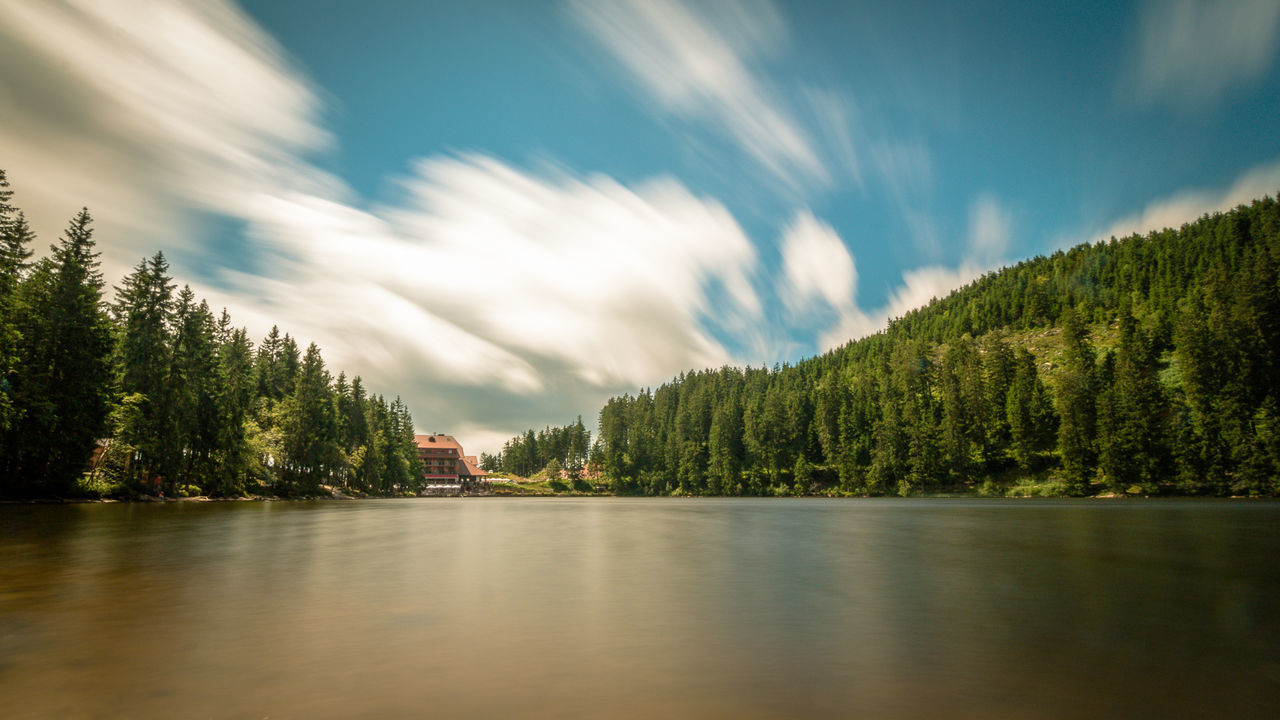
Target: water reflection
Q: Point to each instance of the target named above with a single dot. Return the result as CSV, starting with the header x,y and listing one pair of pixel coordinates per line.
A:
x,y
636,608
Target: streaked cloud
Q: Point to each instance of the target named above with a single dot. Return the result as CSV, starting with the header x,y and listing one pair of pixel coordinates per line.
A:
x,y
493,297
819,276
905,170
1187,205
816,265
916,288
127,106
839,125
495,278
990,229
1193,52
922,285
698,61
819,281
609,281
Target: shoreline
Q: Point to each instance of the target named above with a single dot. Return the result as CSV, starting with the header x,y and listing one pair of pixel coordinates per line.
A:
x,y
148,500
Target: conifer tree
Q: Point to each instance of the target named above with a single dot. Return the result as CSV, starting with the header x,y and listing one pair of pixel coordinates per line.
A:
x,y
15,239
1132,448
143,314
64,367
235,384
724,446
1029,413
309,425
1076,405
192,378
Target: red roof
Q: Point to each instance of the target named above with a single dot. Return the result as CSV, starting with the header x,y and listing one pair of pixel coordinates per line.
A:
x,y
441,442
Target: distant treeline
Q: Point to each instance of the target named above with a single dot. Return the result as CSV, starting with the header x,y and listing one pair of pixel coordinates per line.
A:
x,y
564,449
155,394
1145,365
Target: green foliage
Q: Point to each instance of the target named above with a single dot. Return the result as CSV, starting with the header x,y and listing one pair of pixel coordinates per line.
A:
x,y
554,470
523,455
59,374
1146,365
1143,365
1029,413
173,399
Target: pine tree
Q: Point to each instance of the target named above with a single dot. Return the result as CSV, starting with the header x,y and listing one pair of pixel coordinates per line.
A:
x,y
310,428
998,367
235,384
724,446
1029,413
1076,406
143,314
64,370
192,378
1133,451
15,239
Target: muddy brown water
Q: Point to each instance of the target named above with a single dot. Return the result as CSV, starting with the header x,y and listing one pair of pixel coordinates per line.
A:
x,y
641,608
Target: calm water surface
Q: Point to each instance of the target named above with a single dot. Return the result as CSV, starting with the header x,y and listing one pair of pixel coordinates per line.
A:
x,y
599,608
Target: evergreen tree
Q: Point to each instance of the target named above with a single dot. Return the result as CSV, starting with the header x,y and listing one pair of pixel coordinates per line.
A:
x,y
1133,448
15,239
943,394
143,313
1077,410
192,381
1029,413
63,372
999,367
725,447
235,383
310,429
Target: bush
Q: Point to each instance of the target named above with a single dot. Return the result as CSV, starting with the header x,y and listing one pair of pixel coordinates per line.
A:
x,y
97,488
988,488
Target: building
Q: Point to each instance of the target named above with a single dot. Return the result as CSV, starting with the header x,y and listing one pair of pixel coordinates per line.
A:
x,y
444,463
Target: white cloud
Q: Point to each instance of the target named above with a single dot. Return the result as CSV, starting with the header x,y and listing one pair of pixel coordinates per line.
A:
x,y
696,63
816,265
819,274
145,110
921,285
916,288
1192,52
610,281
839,126
990,229
819,281
493,298
906,170
1188,205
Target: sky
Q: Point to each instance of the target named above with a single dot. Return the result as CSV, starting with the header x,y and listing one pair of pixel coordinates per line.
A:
x,y
507,212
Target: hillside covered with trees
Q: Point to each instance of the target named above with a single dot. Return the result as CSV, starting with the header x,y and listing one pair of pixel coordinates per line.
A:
x,y
1146,365
153,393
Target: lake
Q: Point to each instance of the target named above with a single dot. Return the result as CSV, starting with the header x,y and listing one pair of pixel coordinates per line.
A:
x,y
641,608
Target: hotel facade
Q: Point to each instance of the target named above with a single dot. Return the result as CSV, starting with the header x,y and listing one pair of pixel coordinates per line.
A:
x,y
445,463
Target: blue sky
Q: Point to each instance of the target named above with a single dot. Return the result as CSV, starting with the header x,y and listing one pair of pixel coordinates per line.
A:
x,y
509,211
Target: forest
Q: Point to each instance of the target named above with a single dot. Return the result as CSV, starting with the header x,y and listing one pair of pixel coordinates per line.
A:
x,y
555,450
1148,365
151,393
